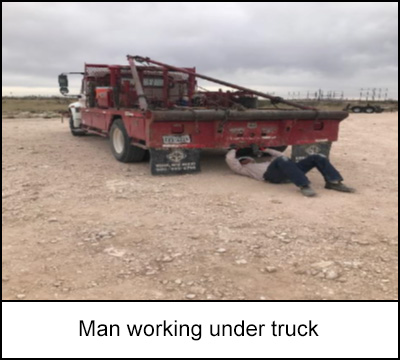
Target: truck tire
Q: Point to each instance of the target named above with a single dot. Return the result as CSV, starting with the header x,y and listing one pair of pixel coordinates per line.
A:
x,y
75,131
369,110
120,144
357,109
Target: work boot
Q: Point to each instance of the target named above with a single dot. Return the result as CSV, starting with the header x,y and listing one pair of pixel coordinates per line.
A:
x,y
308,191
339,187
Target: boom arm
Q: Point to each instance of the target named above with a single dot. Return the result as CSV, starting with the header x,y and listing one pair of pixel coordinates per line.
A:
x,y
274,99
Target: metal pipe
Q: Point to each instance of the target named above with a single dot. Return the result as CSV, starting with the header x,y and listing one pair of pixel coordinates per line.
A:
x,y
251,115
274,99
138,85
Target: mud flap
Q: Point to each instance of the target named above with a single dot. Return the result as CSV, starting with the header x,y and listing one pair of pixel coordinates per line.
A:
x,y
174,161
300,152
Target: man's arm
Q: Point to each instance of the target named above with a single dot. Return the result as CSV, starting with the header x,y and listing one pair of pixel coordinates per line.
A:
x,y
234,163
274,153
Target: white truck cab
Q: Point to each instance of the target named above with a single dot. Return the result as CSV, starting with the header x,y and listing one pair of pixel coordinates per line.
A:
x,y
75,109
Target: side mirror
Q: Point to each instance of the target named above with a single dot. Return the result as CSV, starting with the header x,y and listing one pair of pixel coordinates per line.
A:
x,y
63,82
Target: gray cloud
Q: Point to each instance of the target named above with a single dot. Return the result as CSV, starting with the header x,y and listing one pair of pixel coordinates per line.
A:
x,y
299,46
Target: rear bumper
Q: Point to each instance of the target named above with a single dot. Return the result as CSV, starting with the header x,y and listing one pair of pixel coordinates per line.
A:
x,y
219,128
248,115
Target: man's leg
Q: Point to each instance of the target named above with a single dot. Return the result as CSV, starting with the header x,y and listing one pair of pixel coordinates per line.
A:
x,y
282,169
323,165
332,177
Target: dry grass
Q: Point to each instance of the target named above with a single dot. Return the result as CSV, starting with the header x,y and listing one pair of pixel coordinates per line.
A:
x,y
34,105
13,107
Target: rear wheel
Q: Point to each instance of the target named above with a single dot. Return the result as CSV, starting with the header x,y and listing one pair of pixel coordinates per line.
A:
x,y
120,144
369,110
356,109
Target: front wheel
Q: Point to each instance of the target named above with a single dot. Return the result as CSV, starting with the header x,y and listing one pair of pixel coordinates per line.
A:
x,y
75,131
120,144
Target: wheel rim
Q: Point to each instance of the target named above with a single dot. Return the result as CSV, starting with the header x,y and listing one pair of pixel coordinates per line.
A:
x,y
118,141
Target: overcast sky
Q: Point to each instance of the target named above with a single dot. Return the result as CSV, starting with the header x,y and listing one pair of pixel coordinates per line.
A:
x,y
278,48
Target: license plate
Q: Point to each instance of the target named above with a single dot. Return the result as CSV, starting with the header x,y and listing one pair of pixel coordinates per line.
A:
x,y
176,139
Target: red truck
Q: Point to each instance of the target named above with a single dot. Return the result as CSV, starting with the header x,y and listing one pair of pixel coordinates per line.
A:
x,y
159,109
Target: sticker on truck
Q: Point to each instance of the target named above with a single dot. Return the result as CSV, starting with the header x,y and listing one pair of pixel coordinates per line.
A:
x,y
176,139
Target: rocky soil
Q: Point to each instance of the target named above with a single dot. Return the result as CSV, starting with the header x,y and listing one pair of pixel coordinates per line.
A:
x,y
77,224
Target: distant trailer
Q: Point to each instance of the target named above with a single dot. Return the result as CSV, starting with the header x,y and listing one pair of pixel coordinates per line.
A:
x,y
368,109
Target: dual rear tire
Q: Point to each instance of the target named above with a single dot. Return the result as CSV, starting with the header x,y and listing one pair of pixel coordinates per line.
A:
x,y
367,109
121,144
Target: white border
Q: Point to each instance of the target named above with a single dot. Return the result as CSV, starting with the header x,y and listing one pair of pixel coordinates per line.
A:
x,y
346,329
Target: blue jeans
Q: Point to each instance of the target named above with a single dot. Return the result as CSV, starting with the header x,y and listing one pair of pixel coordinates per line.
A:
x,y
283,169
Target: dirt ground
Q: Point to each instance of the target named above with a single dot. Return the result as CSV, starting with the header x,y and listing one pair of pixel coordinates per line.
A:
x,y
77,224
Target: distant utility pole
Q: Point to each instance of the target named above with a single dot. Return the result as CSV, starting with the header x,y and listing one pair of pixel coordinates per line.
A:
x,y
373,94
386,94
367,98
320,95
361,93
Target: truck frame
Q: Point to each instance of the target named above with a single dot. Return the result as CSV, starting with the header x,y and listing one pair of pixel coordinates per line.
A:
x,y
159,109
